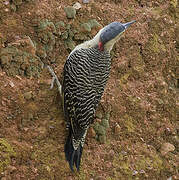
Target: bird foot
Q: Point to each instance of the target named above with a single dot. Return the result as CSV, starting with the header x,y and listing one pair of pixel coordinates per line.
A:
x,y
55,78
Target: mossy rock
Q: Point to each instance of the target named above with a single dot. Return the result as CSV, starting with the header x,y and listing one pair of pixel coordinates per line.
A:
x,y
41,51
96,126
85,27
60,24
107,116
102,139
46,31
18,62
46,25
65,35
69,44
60,27
105,123
6,153
99,129
80,36
70,12
9,50
5,59
94,23
71,33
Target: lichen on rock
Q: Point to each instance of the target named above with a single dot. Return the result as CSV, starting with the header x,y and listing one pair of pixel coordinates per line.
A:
x,y
20,59
6,153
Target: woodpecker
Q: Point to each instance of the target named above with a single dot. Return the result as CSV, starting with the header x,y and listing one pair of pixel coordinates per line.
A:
x,y
85,75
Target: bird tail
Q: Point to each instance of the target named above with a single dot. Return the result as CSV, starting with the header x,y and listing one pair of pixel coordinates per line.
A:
x,y
72,156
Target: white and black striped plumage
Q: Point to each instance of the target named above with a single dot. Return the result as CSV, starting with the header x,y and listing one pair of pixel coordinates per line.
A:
x,y
86,72
85,75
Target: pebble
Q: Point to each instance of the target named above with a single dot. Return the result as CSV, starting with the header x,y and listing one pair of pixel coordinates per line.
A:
x,y
85,1
170,178
100,178
11,84
77,5
134,172
167,147
28,95
92,133
117,129
11,168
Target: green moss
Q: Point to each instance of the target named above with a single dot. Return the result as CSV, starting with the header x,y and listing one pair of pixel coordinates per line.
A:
x,y
149,163
109,178
86,27
19,62
125,167
65,35
6,152
129,124
157,163
102,139
101,130
60,24
105,123
123,80
69,44
82,175
94,24
96,126
46,25
47,154
174,3
70,12
157,11
156,45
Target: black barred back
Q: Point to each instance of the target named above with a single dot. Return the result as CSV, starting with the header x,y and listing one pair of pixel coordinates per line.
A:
x,y
85,75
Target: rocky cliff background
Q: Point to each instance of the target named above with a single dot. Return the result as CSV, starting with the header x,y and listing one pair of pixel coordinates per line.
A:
x,y
135,134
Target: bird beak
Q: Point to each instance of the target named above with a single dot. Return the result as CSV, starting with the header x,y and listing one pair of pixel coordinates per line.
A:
x,y
126,25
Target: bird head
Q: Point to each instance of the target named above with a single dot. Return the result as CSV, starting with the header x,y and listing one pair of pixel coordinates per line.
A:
x,y
110,34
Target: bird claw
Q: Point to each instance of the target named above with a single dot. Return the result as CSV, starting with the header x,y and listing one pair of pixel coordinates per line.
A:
x,y
55,78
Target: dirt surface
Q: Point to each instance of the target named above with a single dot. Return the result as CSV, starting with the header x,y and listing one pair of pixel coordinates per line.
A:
x,y
140,99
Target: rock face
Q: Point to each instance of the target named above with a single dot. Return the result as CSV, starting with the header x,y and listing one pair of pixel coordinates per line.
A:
x,y
142,90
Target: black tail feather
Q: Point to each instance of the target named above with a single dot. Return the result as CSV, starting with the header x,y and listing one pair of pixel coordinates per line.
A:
x,y
73,156
77,157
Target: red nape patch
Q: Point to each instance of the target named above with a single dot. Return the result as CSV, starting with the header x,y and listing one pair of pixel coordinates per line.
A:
x,y
100,46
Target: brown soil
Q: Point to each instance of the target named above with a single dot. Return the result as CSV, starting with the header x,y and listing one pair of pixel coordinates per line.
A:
x,y
141,94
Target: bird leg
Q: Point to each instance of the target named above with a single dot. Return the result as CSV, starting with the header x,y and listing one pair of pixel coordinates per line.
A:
x,y
55,78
